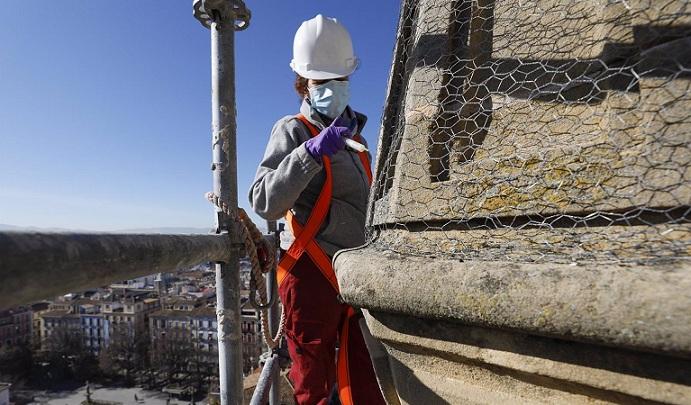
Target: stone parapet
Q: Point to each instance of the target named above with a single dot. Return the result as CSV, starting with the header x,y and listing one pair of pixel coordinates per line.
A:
x,y
433,362
637,307
528,108
529,232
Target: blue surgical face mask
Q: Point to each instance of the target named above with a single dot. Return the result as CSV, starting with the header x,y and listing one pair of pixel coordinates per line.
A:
x,y
330,98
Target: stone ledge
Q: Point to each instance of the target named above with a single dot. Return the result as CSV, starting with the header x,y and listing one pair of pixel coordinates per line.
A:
x,y
638,307
561,371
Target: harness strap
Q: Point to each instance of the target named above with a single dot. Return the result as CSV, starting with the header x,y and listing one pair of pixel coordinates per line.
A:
x,y
365,160
345,392
312,248
305,235
305,243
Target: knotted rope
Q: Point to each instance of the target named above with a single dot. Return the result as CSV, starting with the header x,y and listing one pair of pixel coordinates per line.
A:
x,y
252,239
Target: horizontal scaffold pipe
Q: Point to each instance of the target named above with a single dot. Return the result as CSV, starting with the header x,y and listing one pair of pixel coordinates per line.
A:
x,y
35,266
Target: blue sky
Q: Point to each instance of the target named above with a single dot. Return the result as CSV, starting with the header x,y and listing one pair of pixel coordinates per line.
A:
x,y
105,105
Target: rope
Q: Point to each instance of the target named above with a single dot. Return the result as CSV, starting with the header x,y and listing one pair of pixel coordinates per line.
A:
x,y
252,238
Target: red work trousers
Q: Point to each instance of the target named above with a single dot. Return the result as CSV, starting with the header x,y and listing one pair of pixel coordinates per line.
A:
x,y
314,318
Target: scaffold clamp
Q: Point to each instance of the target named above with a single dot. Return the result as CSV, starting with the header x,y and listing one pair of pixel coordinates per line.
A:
x,y
209,11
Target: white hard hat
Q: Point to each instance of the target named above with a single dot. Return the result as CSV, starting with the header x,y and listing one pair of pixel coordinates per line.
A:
x,y
323,50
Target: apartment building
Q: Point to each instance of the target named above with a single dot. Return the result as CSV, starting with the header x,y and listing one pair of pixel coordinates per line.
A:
x,y
81,317
95,328
129,311
58,322
190,333
15,326
197,328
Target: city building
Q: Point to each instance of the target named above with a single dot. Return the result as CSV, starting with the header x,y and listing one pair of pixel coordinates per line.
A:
x,y
95,328
179,303
37,309
196,326
15,326
146,282
128,310
194,329
252,341
57,323
78,316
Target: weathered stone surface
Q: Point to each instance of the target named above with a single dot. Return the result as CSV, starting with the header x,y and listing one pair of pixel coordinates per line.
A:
x,y
598,122
639,307
587,246
547,159
559,29
439,362
529,224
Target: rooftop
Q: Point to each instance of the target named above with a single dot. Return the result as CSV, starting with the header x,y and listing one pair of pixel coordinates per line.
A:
x,y
59,314
196,312
13,311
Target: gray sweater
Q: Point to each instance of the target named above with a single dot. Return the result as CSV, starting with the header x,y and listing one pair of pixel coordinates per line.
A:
x,y
290,178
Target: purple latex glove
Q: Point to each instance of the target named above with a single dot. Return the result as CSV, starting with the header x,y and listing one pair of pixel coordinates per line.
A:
x,y
330,140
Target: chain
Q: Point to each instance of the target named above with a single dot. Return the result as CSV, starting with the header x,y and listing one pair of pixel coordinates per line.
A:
x,y
252,238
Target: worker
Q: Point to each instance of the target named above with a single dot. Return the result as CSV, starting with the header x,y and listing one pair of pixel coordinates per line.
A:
x,y
321,186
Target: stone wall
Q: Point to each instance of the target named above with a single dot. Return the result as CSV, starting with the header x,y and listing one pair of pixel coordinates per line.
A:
x,y
529,234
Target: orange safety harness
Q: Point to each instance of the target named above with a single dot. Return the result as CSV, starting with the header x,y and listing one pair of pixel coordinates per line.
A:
x,y
305,243
304,235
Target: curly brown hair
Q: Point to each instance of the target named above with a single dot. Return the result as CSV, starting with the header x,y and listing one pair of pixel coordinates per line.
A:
x,y
301,86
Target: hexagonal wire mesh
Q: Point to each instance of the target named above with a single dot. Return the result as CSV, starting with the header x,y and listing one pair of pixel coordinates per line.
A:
x,y
537,131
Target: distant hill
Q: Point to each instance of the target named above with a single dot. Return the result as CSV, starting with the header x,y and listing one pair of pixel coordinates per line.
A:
x,y
172,229
6,227
175,230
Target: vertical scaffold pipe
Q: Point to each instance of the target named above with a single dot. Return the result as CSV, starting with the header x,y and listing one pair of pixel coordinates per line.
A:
x,y
223,18
274,317
225,185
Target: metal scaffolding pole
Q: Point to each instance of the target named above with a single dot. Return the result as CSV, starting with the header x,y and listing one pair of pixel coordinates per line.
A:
x,y
272,291
223,18
266,381
225,185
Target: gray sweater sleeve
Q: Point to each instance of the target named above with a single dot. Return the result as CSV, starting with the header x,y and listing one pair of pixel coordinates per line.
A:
x,y
284,172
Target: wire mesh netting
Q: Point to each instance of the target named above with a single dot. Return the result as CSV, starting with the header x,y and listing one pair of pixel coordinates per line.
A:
x,y
537,131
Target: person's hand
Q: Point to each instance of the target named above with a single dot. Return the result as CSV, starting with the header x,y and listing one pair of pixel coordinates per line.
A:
x,y
330,140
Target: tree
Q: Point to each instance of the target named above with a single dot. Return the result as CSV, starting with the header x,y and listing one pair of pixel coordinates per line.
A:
x,y
16,362
172,354
66,358
202,365
126,354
